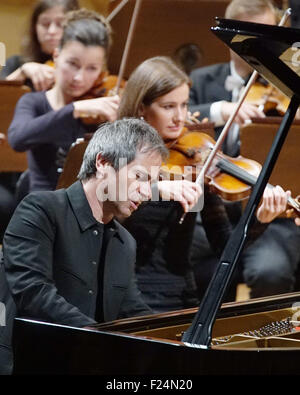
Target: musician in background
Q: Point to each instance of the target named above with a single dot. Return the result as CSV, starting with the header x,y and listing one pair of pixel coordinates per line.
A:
x,y
269,265
46,123
66,260
188,56
215,88
45,32
158,91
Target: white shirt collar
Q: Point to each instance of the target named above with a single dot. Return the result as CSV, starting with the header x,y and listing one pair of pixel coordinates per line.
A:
x,y
233,81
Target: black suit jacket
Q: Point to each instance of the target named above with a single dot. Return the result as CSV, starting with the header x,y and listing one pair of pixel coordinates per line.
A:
x,y
208,87
51,257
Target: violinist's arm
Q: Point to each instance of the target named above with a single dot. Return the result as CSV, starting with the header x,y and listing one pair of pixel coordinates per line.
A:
x,y
274,203
29,128
104,107
16,75
41,75
246,112
217,224
207,96
185,192
11,64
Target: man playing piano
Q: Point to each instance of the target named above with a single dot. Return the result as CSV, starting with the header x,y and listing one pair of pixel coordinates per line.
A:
x,y
66,259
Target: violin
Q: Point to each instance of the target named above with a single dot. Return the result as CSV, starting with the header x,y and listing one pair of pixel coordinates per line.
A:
x,y
187,156
269,99
231,178
105,85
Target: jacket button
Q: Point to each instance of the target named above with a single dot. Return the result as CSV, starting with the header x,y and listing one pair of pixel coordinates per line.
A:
x,y
91,292
94,262
95,232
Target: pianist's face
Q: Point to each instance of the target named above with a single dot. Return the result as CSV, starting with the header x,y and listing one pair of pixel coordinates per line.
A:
x,y
77,67
121,192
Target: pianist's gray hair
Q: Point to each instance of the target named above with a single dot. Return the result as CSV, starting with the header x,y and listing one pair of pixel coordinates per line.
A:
x,y
121,139
248,7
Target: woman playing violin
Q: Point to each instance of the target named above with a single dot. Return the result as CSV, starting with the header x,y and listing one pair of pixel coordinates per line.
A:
x,y
45,32
158,91
46,123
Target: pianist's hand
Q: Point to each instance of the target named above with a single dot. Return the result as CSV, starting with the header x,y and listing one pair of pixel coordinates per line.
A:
x,y
273,204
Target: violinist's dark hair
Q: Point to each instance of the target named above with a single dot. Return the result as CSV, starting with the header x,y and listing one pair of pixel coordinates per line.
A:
x,y
152,79
31,47
88,27
119,143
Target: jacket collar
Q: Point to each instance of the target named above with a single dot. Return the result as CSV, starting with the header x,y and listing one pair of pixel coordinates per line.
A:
x,y
82,209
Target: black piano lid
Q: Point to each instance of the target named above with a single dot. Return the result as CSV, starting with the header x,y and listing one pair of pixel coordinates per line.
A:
x,y
273,51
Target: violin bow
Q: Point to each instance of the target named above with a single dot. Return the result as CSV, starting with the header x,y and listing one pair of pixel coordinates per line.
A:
x,y
230,120
116,10
128,43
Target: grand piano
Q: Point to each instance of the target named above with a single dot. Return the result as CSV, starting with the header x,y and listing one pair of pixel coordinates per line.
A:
x,y
260,336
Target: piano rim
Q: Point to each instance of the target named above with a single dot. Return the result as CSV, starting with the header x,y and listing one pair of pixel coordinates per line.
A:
x,y
124,327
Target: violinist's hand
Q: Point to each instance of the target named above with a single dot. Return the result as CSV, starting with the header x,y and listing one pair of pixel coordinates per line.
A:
x,y
273,204
246,111
41,75
187,193
104,108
